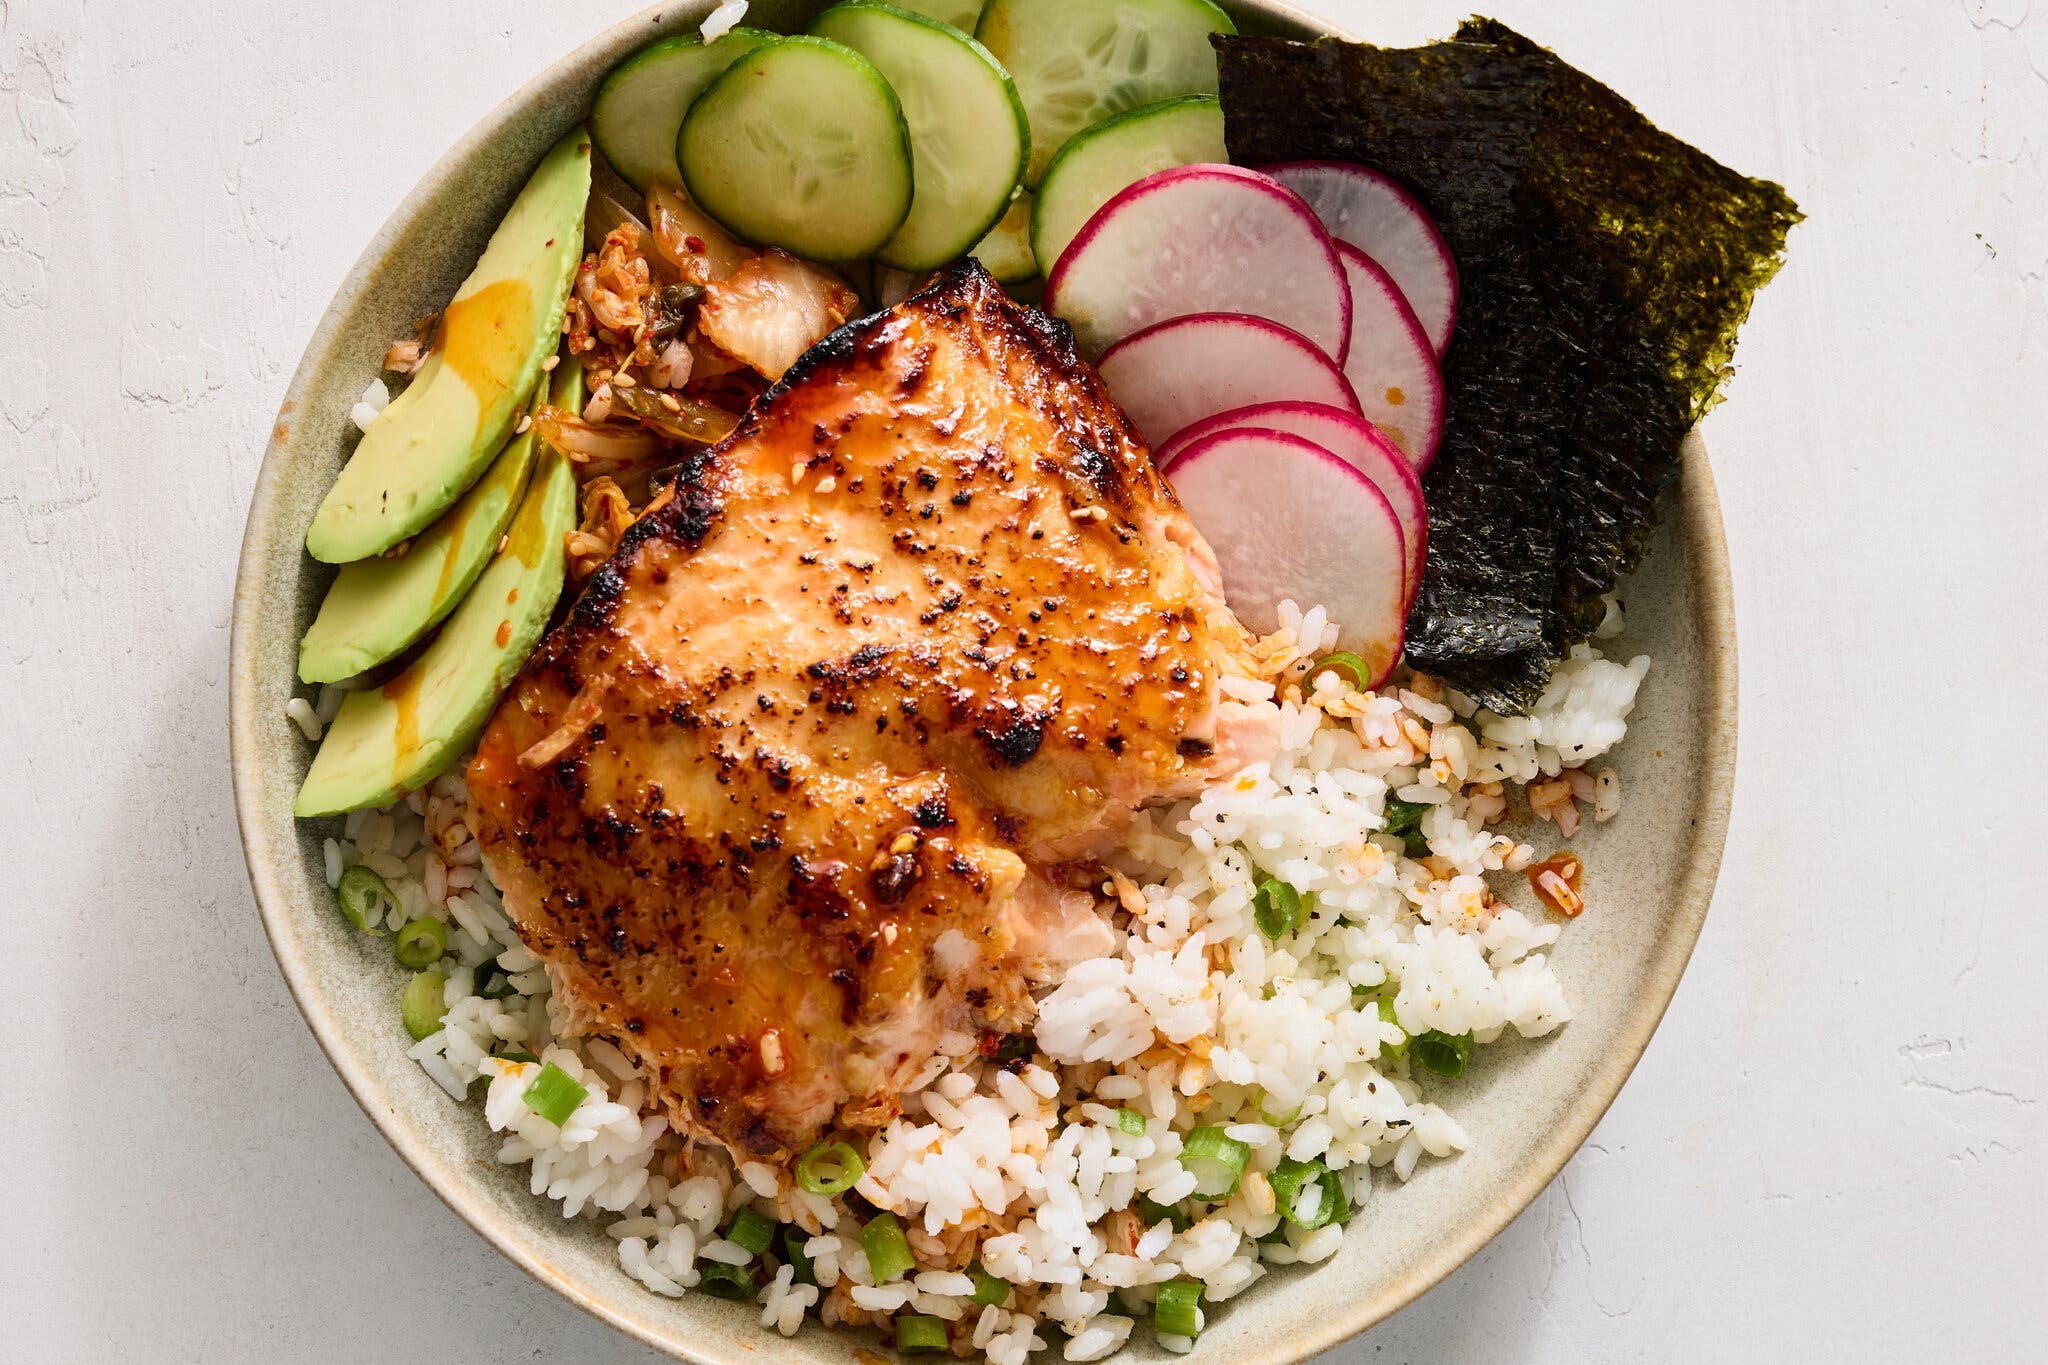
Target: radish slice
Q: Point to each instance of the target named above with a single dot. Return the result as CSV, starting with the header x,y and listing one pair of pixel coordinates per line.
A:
x,y
1201,239
1351,439
1184,369
1374,213
1288,519
1391,368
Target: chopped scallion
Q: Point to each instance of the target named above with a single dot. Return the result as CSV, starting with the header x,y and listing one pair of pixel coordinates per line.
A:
x,y
1340,1196
1177,1311
1131,1122
491,983
421,943
830,1168
1277,908
1217,1161
1392,1051
1154,1213
722,1281
423,1004
1343,661
1307,1193
1442,1054
365,898
1403,820
919,1335
989,1290
554,1094
794,1239
1277,1120
887,1248
517,1057
751,1229
1402,816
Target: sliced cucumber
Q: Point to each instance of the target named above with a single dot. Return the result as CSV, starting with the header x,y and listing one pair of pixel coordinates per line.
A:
x,y
641,104
800,144
1099,163
961,14
1006,251
968,135
1077,62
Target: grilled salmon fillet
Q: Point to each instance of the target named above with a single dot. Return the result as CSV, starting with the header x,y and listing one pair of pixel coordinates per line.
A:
x,y
802,783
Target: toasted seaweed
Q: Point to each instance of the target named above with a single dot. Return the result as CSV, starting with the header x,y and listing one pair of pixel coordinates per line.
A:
x,y
1604,268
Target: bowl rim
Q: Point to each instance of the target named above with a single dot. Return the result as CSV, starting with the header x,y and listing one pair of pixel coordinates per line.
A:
x,y
1704,541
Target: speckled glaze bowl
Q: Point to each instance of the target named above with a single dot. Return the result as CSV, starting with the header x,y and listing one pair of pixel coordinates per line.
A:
x,y
1650,872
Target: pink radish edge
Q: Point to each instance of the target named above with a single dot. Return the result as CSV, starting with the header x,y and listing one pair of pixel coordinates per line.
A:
x,y
1347,436
1390,354
1286,518
1335,189
1183,370
1188,242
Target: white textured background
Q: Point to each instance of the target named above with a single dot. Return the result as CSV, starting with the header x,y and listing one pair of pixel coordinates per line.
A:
x,y
1837,1147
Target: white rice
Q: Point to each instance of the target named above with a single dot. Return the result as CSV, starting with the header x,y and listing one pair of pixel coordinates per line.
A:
x,y
1195,1019
372,404
720,21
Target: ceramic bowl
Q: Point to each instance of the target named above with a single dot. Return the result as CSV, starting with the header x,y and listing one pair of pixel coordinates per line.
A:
x,y
1650,872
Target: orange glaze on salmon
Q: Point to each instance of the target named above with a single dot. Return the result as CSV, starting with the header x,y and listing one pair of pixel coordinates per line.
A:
x,y
806,777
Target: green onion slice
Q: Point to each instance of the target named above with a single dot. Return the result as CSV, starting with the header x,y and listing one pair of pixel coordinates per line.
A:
x,y
1277,908
1344,661
365,898
1392,1051
989,1291
1131,1122
423,1004
1153,1213
830,1168
1217,1160
1308,1193
722,1281
1403,816
794,1240
1442,1054
1403,819
751,1229
491,983
517,1057
421,943
918,1335
554,1094
1277,1120
1177,1311
887,1248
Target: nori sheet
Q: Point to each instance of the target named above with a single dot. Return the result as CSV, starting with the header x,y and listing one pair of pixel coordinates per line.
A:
x,y
1604,268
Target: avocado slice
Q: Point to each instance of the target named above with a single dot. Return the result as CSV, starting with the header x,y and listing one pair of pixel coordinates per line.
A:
x,y
434,439
379,607
396,738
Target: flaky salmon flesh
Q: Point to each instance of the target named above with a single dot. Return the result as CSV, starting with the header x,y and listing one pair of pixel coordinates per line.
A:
x,y
814,774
